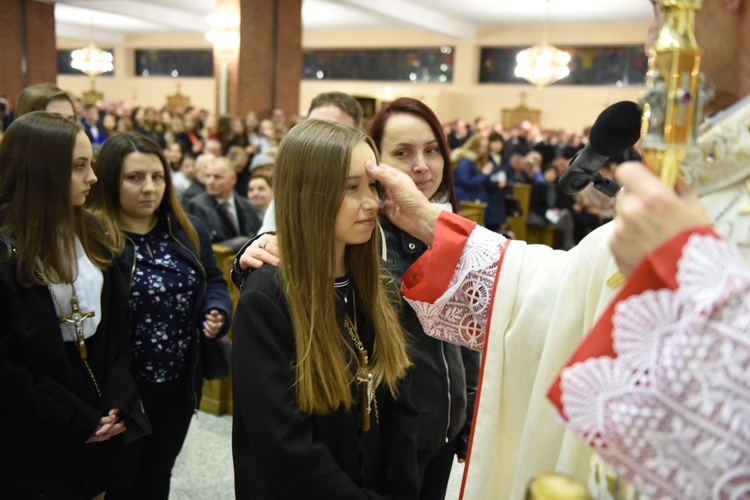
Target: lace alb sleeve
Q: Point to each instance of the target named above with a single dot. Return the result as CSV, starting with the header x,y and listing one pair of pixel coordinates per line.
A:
x,y
460,315
672,411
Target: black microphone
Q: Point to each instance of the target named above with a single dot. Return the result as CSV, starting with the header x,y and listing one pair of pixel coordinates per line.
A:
x,y
616,129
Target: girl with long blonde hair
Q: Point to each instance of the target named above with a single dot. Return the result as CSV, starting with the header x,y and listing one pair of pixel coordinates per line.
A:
x,y
472,170
320,410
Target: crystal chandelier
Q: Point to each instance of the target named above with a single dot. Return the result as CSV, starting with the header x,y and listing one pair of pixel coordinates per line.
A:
x,y
542,64
92,60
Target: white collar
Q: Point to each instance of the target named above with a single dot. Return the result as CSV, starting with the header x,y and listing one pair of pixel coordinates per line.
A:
x,y
229,201
88,285
722,157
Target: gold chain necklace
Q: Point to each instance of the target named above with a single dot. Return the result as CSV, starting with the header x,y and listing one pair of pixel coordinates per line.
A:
x,y
365,378
75,319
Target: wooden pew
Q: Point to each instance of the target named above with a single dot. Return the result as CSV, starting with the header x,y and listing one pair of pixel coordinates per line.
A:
x,y
217,394
473,211
546,236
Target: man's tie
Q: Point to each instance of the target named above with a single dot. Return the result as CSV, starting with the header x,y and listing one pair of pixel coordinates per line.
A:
x,y
228,210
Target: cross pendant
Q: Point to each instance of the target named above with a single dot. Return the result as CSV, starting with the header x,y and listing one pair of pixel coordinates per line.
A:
x,y
365,381
76,318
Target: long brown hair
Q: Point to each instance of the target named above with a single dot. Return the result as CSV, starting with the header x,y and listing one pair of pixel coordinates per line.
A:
x,y
105,195
36,98
36,164
310,174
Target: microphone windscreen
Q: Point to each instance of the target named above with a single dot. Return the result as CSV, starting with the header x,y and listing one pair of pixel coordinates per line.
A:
x,y
616,129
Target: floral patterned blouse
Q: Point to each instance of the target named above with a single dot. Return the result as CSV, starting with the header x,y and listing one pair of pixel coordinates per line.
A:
x,y
162,300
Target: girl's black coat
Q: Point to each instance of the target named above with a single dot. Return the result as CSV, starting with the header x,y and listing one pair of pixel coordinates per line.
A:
x,y
280,453
48,404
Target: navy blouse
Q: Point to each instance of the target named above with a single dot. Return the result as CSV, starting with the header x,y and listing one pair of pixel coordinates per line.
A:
x,y
164,287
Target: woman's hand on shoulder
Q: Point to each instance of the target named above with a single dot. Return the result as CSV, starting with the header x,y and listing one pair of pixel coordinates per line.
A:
x,y
263,250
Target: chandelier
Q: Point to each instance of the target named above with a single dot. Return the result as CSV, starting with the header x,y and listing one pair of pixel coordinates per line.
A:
x,y
542,64
92,60
224,32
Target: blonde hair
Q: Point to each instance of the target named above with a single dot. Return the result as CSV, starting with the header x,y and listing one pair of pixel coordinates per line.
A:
x,y
310,174
470,151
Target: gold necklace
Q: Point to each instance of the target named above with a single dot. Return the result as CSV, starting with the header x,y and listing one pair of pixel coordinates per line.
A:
x,y
75,319
365,378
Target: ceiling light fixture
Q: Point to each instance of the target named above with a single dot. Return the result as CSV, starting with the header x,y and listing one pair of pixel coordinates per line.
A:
x,y
542,64
224,34
92,61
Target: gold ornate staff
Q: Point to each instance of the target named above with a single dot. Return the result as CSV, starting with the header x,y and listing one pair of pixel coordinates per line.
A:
x,y
675,98
673,105
675,95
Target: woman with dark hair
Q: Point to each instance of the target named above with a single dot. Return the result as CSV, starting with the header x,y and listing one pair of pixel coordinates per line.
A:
x,y
151,126
238,135
68,402
174,155
499,185
320,407
219,128
45,97
190,138
178,299
444,378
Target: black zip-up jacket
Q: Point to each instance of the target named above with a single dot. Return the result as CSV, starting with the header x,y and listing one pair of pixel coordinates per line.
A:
x,y
48,403
444,376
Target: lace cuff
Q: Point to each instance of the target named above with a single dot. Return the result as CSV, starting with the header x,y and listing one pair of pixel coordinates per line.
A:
x,y
672,411
460,315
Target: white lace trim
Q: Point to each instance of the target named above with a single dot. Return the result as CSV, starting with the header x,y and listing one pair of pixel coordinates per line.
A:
x,y
672,411
460,315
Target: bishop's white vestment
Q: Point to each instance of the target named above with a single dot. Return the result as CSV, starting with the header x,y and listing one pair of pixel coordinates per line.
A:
x,y
528,307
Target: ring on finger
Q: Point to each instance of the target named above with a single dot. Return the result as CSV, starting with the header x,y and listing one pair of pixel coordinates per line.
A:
x,y
262,244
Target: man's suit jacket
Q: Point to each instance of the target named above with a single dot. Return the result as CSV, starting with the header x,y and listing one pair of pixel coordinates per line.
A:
x,y
207,209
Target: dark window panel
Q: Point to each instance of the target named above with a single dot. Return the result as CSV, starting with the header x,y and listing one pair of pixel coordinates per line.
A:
x,y
616,65
64,57
420,65
174,63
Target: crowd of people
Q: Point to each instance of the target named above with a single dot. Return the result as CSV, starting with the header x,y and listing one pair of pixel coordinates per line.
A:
x,y
365,300
486,159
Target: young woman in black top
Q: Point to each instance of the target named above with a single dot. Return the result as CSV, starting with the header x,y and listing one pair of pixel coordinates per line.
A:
x,y
68,403
320,404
